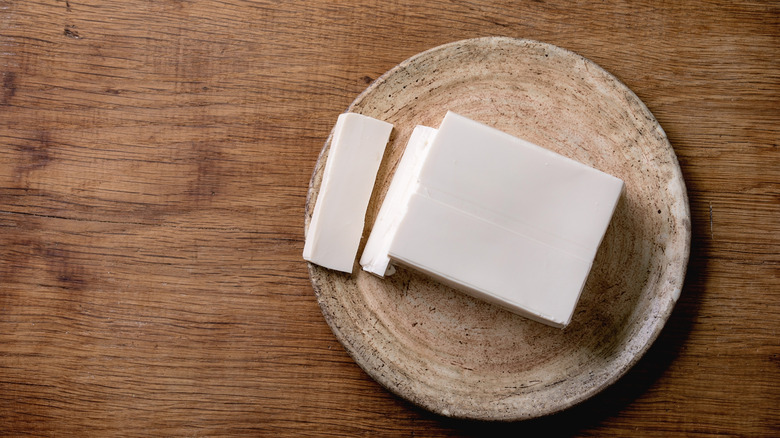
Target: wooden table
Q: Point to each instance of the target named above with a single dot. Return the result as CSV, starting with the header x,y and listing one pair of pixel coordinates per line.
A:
x,y
154,163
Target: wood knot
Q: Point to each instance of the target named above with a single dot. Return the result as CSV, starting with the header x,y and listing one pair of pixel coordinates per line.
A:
x,y
9,87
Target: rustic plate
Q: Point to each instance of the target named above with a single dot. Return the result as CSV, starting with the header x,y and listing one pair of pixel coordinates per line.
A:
x,y
458,356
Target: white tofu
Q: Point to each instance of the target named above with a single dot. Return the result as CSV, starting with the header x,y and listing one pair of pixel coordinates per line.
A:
x,y
375,258
505,220
337,222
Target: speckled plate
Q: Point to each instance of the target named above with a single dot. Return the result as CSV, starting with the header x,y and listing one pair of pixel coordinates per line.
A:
x,y
461,357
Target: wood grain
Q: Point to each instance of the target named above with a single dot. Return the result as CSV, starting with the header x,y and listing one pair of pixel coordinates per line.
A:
x,y
154,162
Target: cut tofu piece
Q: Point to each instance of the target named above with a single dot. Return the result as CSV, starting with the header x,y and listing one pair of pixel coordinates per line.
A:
x,y
337,222
375,258
506,220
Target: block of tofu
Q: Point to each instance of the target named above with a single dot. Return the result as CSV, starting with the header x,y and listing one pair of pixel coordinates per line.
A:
x,y
375,258
505,220
336,225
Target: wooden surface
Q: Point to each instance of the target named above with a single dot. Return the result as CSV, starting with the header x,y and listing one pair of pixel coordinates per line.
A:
x,y
154,162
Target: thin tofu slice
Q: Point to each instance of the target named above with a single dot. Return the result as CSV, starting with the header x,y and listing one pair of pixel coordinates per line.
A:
x,y
375,258
337,222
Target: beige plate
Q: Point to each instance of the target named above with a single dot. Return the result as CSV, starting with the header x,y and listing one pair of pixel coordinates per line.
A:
x,y
461,357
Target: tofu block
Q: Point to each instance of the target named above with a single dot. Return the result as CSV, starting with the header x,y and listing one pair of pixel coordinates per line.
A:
x,y
505,220
375,258
336,226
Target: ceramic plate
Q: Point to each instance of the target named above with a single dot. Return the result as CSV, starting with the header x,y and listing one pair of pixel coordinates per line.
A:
x,y
461,357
